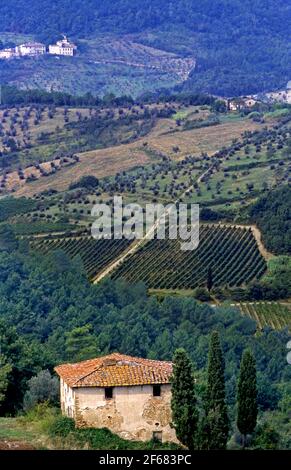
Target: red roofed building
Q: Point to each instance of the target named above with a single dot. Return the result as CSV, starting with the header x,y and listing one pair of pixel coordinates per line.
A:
x,y
130,396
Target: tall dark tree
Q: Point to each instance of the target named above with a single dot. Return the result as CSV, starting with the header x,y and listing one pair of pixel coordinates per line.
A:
x,y
209,279
247,406
183,403
215,425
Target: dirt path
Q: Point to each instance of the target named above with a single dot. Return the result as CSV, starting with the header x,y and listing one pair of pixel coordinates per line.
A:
x,y
8,444
258,237
148,235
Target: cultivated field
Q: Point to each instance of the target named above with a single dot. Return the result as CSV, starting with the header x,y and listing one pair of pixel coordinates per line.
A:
x,y
231,253
95,254
268,314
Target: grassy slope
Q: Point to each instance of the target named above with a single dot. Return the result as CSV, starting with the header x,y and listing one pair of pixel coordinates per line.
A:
x,y
102,65
161,139
34,432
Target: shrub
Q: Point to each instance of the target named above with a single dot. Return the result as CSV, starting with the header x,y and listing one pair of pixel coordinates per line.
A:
x,y
202,294
62,426
41,388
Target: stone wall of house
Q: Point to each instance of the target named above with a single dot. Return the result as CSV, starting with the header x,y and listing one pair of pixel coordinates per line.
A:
x,y
67,399
133,412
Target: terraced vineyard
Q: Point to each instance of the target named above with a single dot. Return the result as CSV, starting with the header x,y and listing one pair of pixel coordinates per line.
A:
x,y
272,314
232,253
95,254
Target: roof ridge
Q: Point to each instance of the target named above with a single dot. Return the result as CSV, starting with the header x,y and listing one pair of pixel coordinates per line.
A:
x,y
89,373
102,365
99,370
97,367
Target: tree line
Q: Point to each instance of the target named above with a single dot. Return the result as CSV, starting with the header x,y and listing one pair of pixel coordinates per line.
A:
x,y
12,96
206,426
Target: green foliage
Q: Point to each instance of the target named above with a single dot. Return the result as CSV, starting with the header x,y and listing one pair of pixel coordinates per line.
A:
x,y
247,408
5,369
24,355
88,182
8,241
11,206
45,298
237,52
202,294
215,426
183,402
62,426
81,343
278,276
266,438
99,439
272,215
41,388
275,285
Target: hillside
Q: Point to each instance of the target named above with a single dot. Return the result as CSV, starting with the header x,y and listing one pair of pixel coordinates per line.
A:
x,y
103,64
239,46
153,152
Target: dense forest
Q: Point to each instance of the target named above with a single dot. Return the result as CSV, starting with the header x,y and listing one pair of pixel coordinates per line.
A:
x,y
50,313
272,215
241,46
82,18
11,96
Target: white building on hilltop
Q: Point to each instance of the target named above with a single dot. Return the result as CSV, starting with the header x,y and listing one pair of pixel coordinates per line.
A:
x,y
7,53
63,47
30,49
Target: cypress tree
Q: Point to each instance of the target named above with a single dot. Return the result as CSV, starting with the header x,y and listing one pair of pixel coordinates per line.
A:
x,y
247,406
183,402
209,279
215,425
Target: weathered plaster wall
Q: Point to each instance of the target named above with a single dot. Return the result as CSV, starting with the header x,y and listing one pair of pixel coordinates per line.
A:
x,y
132,413
67,397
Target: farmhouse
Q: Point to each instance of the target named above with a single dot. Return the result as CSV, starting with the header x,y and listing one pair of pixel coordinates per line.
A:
x,y
63,47
30,49
27,49
128,395
7,53
237,104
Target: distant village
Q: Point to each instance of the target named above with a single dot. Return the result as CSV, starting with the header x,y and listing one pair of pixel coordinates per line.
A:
x,y
31,49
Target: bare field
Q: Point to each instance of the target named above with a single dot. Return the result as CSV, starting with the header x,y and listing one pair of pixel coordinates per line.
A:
x,y
107,162
100,163
195,141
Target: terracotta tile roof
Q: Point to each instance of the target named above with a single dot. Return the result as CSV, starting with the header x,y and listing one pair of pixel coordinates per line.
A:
x,y
115,370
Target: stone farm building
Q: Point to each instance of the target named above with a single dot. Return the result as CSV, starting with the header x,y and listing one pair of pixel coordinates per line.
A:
x,y
236,104
128,395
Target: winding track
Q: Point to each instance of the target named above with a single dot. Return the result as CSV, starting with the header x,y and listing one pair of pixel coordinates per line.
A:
x,y
138,243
